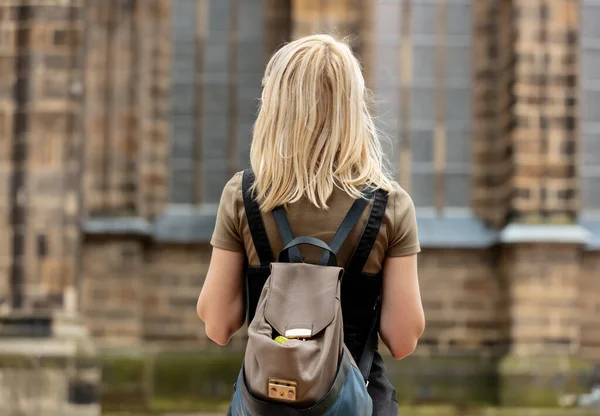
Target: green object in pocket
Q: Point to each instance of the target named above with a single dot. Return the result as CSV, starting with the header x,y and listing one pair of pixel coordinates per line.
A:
x,y
281,340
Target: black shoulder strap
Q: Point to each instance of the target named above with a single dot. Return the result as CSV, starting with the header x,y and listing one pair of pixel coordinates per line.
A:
x,y
286,234
338,239
255,221
347,225
366,359
369,236
357,263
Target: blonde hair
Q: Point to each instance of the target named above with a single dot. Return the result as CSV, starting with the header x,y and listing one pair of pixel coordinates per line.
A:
x,y
314,130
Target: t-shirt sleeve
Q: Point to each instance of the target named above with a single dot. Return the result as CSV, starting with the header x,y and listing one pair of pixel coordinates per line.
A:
x,y
404,238
227,234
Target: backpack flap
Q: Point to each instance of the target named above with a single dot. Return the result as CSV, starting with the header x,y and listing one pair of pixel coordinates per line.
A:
x,y
302,299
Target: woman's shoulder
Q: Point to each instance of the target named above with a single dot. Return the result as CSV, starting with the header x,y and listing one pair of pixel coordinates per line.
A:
x,y
397,189
231,195
233,188
400,197
403,231
235,182
400,209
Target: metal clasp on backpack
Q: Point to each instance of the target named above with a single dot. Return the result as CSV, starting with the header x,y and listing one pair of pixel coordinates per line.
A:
x,y
299,333
285,390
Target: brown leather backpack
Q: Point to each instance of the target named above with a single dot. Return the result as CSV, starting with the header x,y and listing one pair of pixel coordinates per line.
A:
x,y
295,356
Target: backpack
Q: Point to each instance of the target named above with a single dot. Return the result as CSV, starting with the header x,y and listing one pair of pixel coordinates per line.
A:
x,y
296,361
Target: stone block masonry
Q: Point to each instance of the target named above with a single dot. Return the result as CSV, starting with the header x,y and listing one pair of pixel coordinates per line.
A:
x,y
589,301
464,308
543,293
126,121
8,59
546,107
112,301
136,294
41,142
493,115
504,321
52,372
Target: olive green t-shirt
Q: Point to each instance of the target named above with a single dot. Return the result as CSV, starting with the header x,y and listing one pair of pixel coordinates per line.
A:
x,y
397,235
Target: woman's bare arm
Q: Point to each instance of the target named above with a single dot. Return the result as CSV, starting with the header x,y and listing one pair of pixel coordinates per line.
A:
x,y
402,316
221,301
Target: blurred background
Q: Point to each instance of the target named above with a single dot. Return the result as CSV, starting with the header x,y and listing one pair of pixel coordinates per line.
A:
x,y
121,121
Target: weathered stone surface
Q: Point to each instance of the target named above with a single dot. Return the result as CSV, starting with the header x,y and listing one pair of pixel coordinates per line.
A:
x,y
56,374
541,381
127,144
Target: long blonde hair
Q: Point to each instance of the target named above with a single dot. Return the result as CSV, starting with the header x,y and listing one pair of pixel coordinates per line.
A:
x,y
314,130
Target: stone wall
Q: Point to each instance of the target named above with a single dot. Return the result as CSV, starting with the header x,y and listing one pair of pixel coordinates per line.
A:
x,y
543,298
589,301
136,292
127,70
546,139
493,117
50,367
533,297
503,324
41,97
8,58
463,298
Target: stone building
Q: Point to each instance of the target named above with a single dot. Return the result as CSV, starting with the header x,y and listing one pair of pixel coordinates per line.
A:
x,y
121,120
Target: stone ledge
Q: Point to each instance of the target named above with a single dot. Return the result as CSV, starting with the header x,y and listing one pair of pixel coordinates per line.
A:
x,y
184,224
117,226
28,347
593,226
464,231
543,233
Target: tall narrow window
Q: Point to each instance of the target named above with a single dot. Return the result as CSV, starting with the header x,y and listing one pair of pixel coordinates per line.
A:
x,y
422,85
218,62
590,109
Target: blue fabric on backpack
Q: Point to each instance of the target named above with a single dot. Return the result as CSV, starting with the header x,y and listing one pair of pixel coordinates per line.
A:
x,y
351,400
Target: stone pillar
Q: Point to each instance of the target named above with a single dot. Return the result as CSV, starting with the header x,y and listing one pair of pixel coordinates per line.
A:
x,y
46,154
546,109
278,25
543,300
152,72
51,361
8,75
337,17
541,251
493,118
126,107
